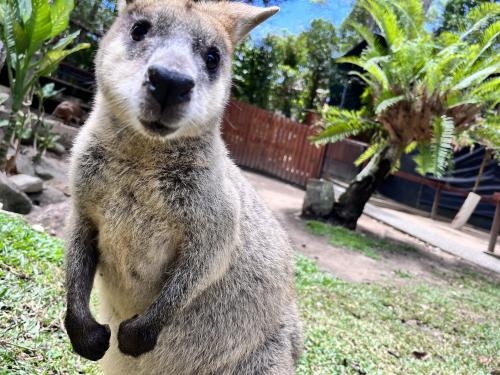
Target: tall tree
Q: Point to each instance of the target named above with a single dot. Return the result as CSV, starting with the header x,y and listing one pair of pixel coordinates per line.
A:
x,y
455,11
321,43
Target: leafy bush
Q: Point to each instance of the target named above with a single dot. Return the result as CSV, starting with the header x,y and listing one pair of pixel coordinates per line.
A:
x,y
423,92
31,32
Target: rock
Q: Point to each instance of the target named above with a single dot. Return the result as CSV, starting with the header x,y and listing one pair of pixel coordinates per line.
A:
x,y
69,111
43,172
47,169
58,149
27,183
52,217
49,195
66,133
319,198
24,164
12,198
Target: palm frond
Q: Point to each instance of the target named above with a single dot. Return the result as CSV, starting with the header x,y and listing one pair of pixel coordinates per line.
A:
x,y
479,17
387,103
488,38
386,20
477,77
423,159
410,148
490,86
371,67
435,157
441,145
340,124
369,152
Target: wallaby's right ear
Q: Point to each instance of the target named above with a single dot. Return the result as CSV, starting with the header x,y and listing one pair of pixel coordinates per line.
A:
x,y
238,18
122,4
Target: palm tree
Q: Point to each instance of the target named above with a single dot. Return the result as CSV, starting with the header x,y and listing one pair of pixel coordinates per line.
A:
x,y
424,94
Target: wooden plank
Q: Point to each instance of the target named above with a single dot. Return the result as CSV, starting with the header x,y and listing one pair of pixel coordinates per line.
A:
x,y
495,227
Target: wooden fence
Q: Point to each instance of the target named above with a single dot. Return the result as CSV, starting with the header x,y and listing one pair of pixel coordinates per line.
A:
x,y
266,142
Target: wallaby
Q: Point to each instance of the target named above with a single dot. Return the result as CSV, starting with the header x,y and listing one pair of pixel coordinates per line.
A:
x,y
194,274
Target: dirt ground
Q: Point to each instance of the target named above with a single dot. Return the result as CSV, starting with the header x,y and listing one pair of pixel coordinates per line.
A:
x,y
425,263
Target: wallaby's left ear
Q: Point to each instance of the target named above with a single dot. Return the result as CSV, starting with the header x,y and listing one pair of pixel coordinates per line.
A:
x,y
239,19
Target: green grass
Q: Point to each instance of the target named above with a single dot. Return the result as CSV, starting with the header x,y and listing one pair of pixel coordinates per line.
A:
x,y
341,237
376,329
31,304
350,328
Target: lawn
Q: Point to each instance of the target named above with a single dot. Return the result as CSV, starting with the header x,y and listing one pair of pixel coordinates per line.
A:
x,y
418,328
367,245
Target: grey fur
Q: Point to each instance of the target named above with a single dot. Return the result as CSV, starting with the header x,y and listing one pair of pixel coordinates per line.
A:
x,y
195,275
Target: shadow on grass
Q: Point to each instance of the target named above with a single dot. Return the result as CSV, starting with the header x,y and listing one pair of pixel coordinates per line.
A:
x,y
370,246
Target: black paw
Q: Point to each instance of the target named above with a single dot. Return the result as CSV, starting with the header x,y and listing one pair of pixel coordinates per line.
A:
x,y
89,338
136,337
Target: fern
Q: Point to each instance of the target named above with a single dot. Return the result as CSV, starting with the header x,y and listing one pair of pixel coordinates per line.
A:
x,y
373,149
410,148
433,74
477,77
441,146
435,157
387,103
341,124
490,35
423,159
479,17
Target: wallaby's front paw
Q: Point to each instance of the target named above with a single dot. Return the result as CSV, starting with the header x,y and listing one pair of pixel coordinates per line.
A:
x,y
136,337
89,338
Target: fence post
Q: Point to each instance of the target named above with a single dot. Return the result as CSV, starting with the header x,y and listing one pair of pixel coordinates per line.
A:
x,y
435,203
495,227
323,160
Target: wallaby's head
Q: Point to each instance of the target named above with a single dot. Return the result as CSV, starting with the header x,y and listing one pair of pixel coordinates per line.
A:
x,y
164,68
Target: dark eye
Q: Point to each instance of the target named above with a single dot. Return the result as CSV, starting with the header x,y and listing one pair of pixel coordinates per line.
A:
x,y
212,59
139,30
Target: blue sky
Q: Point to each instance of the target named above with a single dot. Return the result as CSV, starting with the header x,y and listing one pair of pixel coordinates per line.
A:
x,y
296,15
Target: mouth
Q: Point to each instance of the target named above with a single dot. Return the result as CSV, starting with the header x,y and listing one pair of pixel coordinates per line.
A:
x,y
158,128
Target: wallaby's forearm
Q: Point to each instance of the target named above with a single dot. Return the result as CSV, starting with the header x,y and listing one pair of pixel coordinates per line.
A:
x,y
202,260
89,338
197,266
81,264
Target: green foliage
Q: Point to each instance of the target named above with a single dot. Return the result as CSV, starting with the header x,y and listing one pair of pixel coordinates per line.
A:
x,y
454,14
92,18
320,42
342,124
422,89
255,71
287,73
31,30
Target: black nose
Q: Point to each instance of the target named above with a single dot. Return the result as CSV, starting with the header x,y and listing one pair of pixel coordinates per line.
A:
x,y
169,87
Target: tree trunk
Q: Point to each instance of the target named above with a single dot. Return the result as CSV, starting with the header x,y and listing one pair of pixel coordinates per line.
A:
x,y
349,207
6,140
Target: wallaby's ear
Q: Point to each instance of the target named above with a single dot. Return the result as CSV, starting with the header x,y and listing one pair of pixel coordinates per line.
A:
x,y
122,4
239,19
